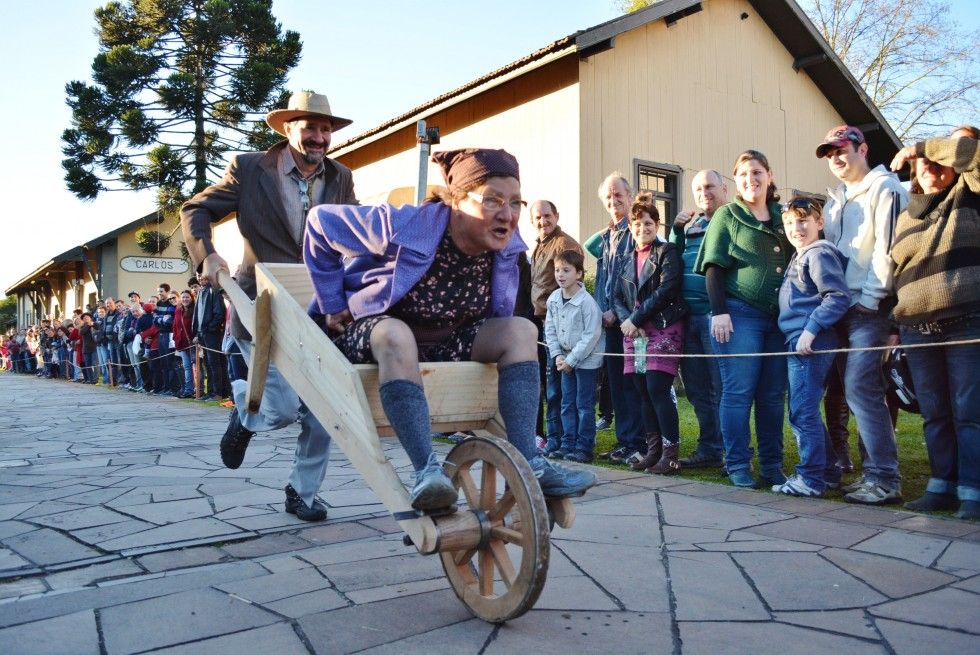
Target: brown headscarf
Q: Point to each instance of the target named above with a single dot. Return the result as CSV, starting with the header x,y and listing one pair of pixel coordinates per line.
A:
x,y
463,167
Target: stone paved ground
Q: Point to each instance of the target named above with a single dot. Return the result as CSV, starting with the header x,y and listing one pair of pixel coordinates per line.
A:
x,y
120,532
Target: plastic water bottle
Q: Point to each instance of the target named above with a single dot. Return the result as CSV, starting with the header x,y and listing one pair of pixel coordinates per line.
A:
x,y
640,354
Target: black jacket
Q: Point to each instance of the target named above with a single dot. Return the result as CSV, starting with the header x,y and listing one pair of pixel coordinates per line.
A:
x,y
210,306
658,288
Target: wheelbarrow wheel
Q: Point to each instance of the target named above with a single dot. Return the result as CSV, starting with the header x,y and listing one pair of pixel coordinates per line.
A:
x,y
501,578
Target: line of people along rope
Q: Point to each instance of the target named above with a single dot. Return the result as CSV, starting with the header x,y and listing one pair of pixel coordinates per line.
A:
x,y
958,342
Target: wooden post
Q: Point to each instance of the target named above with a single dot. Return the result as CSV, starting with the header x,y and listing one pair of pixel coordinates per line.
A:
x,y
258,368
197,371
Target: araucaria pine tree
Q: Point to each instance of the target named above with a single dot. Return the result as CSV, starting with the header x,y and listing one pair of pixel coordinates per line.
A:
x,y
176,84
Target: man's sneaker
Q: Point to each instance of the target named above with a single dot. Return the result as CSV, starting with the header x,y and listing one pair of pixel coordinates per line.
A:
x,y
770,480
433,489
624,456
872,493
854,486
795,486
295,505
558,481
235,441
580,456
969,510
933,502
560,453
603,424
702,460
618,452
742,479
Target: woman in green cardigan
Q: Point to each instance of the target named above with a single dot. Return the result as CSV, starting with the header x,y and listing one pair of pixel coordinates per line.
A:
x,y
743,257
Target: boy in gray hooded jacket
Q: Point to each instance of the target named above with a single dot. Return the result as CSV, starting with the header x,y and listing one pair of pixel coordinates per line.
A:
x,y
812,298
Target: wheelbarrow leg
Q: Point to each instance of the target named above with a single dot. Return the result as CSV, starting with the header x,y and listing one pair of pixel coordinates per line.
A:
x,y
258,369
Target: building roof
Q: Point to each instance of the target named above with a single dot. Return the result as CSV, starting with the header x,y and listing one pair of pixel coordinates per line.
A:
x,y
77,253
784,17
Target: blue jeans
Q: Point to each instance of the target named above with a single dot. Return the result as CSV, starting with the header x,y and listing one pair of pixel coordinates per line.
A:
x,y
89,372
102,351
807,375
553,403
187,362
748,380
864,389
626,400
166,362
578,409
702,383
947,385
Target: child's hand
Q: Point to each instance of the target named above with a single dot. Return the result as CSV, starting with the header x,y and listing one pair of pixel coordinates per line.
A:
x,y
804,343
629,330
561,365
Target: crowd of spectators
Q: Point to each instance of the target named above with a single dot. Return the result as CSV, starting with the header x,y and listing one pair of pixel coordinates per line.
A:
x,y
725,281
169,344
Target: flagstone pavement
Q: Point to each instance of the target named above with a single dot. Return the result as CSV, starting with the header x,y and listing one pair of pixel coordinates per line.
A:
x,y
121,532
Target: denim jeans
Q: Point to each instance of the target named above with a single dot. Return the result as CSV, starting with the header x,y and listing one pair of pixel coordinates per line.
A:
x,y
748,380
136,375
578,409
626,400
947,386
553,403
167,377
89,371
807,375
187,362
102,351
702,383
864,388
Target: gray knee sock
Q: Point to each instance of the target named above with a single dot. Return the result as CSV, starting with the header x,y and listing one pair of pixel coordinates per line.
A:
x,y
408,412
518,389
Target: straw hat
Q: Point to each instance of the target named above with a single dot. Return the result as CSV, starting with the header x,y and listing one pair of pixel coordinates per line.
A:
x,y
304,104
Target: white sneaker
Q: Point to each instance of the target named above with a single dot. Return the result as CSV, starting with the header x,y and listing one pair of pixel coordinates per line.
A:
x,y
795,486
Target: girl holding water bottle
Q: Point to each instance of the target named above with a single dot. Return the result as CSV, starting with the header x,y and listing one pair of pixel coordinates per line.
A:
x,y
648,304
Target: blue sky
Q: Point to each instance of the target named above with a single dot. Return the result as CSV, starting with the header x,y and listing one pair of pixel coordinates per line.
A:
x,y
373,58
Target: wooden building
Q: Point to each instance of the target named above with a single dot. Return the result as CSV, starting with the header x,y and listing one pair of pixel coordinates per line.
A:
x,y
657,94
110,265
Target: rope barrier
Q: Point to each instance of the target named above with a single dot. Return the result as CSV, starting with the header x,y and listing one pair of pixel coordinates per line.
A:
x,y
959,342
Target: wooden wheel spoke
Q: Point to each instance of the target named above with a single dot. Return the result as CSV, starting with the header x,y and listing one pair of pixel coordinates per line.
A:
x,y
486,573
462,557
502,559
502,578
470,491
488,486
508,535
504,505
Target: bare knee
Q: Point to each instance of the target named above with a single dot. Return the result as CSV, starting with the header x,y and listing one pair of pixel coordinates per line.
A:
x,y
393,346
507,341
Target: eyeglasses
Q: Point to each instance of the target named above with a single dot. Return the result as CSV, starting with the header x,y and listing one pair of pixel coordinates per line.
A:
x,y
496,203
805,204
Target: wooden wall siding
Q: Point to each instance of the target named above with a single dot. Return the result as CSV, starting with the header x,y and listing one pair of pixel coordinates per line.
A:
x,y
535,84
695,95
541,133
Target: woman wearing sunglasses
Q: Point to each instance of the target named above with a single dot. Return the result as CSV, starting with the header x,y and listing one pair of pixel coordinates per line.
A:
x,y
743,258
937,279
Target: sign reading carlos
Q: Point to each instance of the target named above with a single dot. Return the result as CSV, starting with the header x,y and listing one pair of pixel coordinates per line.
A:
x,y
153,265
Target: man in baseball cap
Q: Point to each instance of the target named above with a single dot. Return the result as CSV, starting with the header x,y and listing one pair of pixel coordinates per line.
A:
x,y
859,217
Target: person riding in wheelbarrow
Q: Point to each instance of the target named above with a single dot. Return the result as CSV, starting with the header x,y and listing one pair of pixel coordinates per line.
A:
x,y
436,283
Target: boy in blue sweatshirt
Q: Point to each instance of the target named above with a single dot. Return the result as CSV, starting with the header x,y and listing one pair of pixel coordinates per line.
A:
x,y
812,298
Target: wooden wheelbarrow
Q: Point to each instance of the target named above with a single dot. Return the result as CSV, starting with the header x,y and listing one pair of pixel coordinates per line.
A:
x,y
495,551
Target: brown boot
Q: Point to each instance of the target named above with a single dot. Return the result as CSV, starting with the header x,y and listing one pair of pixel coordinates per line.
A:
x,y
652,456
668,463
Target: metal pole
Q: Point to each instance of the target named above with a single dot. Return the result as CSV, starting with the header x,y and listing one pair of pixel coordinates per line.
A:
x,y
424,150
